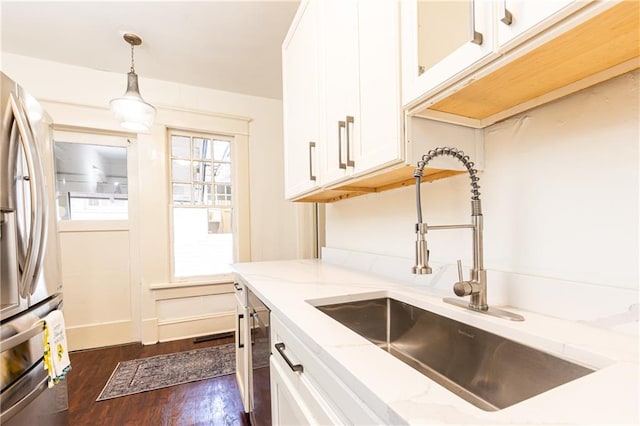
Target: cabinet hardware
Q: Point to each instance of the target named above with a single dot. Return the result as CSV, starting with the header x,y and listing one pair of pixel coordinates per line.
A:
x,y
341,126
476,37
240,344
295,367
350,162
311,175
237,286
507,17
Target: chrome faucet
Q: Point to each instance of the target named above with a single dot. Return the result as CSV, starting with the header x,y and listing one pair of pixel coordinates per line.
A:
x,y
476,286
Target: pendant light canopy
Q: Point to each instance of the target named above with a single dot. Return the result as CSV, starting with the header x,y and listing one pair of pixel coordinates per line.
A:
x,y
130,109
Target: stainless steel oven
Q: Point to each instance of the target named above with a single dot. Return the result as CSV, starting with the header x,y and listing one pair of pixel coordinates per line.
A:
x,y
259,353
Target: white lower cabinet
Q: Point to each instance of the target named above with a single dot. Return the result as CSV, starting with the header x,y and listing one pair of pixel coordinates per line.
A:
x,y
242,362
304,391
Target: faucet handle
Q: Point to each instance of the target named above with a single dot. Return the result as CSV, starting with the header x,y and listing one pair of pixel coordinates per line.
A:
x,y
462,287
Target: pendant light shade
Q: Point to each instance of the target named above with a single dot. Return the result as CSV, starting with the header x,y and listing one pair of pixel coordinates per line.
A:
x,y
130,109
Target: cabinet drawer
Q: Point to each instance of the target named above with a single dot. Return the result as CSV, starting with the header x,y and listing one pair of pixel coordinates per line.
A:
x,y
324,398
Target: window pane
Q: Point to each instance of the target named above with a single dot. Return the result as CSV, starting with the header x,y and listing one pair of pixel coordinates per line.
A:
x,y
220,221
181,193
180,146
222,172
197,250
222,150
91,181
180,170
201,171
201,149
223,194
202,194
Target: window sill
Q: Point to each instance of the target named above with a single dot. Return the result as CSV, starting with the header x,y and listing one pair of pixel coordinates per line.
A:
x,y
217,280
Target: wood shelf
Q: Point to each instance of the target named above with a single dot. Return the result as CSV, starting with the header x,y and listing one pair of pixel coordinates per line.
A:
x,y
383,181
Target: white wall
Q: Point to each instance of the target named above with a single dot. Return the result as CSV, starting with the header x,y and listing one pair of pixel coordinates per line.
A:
x,y
78,96
559,193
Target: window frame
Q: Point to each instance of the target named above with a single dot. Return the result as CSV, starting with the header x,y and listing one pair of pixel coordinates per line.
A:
x,y
68,134
236,181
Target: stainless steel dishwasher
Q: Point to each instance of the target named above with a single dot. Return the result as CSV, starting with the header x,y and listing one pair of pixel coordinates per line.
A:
x,y
259,379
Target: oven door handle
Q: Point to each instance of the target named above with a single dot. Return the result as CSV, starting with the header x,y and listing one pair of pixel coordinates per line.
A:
x,y
295,367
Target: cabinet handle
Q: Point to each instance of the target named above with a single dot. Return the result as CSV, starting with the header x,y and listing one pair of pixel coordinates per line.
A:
x,y
240,344
507,17
350,162
297,367
311,175
237,286
476,37
341,125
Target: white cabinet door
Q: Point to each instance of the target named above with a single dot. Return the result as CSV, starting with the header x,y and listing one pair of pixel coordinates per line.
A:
x,y
340,85
241,356
377,134
521,19
442,40
300,102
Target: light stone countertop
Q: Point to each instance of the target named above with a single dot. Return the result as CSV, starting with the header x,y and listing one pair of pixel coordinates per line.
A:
x,y
398,394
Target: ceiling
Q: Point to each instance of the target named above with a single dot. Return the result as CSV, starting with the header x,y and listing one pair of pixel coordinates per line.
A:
x,y
225,45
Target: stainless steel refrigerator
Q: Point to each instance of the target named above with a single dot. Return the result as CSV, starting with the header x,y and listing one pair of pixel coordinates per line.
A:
x,y
29,261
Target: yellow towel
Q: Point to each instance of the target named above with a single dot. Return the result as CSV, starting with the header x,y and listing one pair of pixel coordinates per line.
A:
x,y
56,357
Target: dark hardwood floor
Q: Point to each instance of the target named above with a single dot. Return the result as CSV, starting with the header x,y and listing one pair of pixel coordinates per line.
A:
x,y
208,402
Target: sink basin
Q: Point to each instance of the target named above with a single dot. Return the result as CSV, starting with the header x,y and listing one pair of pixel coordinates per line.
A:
x,y
487,370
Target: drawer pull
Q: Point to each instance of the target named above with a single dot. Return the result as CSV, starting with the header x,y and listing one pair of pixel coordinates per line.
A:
x,y
240,344
342,126
280,348
349,120
237,286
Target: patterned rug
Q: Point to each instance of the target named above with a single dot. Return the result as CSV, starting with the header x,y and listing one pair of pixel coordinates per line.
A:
x,y
160,371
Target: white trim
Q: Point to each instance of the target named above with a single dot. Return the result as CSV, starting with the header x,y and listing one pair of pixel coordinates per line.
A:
x,y
227,279
93,225
98,335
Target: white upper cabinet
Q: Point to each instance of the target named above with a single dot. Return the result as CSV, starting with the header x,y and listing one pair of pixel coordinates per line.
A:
x,y
339,53
361,78
518,20
532,52
300,69
443,40
379,141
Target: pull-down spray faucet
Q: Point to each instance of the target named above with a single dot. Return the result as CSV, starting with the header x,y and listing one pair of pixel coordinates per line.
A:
x,y
476,286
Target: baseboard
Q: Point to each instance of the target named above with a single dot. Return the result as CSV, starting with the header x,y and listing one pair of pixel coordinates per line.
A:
x,y
100,335
187,327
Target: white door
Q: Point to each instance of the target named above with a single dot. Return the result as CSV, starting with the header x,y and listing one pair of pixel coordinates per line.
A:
x,y
442,40
379,142
300,101
96,192
339,49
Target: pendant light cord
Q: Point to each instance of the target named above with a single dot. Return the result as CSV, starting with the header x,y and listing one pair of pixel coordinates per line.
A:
x,y
132,68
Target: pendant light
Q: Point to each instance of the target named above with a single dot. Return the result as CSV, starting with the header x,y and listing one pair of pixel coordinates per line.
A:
x,y
130,109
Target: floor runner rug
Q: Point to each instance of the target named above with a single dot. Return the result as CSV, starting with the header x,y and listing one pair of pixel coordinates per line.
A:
x,y
160,371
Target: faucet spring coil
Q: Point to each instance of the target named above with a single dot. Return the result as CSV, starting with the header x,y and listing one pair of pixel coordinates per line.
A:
x,y
460,156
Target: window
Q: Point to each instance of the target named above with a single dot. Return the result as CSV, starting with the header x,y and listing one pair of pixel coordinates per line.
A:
x,y
91,179
201,204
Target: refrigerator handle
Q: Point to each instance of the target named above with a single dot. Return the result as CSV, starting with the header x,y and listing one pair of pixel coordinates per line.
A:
x,y
34,253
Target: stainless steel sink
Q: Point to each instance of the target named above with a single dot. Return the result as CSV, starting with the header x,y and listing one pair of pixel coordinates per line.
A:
x,y
485,369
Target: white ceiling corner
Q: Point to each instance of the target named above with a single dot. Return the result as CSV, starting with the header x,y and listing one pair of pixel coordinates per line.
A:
x,y
232,45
